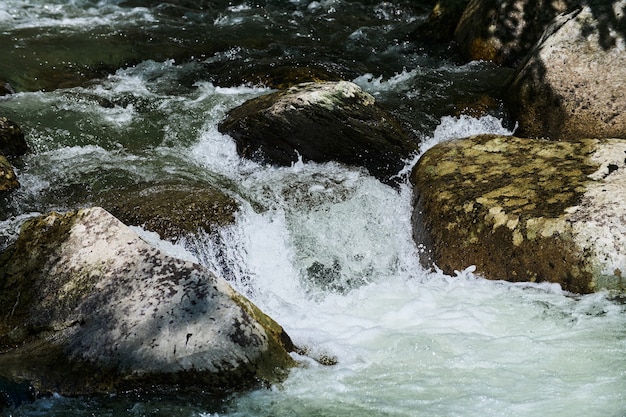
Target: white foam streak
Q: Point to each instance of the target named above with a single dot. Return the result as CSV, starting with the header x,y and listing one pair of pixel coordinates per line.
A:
x,y
460,127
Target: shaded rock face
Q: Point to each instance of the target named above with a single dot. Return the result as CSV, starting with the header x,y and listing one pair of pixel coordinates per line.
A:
x,y
525,210
174,210
12,144
86,306
503,31
8,179
321,122
571,84
6,89
441,22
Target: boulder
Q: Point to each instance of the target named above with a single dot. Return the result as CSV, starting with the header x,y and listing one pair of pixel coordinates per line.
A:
x,y
571,84
320,122
525,210
6,88
173,210
503,31
8,179
442,21
12,142
86,306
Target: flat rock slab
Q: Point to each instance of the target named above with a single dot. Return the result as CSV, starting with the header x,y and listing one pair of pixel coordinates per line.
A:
x,y
525,210
320,122
86,306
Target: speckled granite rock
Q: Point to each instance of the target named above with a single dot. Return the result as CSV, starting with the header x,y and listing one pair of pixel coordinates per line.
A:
x,y
320,122
571,85
525,210
86,306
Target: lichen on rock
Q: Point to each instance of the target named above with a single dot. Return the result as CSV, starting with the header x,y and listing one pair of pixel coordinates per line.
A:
x,y
524,210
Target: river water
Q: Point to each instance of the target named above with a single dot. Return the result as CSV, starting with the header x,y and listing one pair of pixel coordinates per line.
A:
x,y
115,93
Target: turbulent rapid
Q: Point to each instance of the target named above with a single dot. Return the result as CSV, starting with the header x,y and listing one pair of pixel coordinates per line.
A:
x,y
324,249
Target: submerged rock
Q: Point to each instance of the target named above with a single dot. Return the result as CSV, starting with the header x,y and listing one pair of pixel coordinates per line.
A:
x,y
86,306
525,210
173,210
503,31
320,122
571,85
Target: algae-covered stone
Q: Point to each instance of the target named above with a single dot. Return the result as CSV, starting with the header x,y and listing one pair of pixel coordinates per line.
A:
x,y
173,210
525,210
86,306
321,122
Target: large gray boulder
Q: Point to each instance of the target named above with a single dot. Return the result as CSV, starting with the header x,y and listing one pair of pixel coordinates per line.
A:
x,y
86,306
320,122
571,85
525,210
504,31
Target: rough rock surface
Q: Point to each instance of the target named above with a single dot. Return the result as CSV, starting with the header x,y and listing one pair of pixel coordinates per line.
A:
x,y
441,22
6,88
321,122
8,179
571,86
525,210
173,210
503,31
12,142
86,306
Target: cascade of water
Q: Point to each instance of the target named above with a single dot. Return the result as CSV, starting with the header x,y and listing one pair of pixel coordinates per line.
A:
x,y
325,249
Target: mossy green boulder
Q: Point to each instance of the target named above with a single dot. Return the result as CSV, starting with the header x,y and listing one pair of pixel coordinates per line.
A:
x,y
525,210
87,306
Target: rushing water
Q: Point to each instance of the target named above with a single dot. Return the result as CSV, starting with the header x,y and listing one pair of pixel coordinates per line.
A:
x,y
324,249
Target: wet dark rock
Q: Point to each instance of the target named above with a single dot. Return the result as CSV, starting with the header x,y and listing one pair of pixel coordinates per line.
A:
x,y
441,22
320,122
6,89
12,142
86,306
173,210
525,210
571,84
8,179
504,31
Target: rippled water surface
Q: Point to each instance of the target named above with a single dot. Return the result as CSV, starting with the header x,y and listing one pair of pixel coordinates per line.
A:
x,y
124,93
